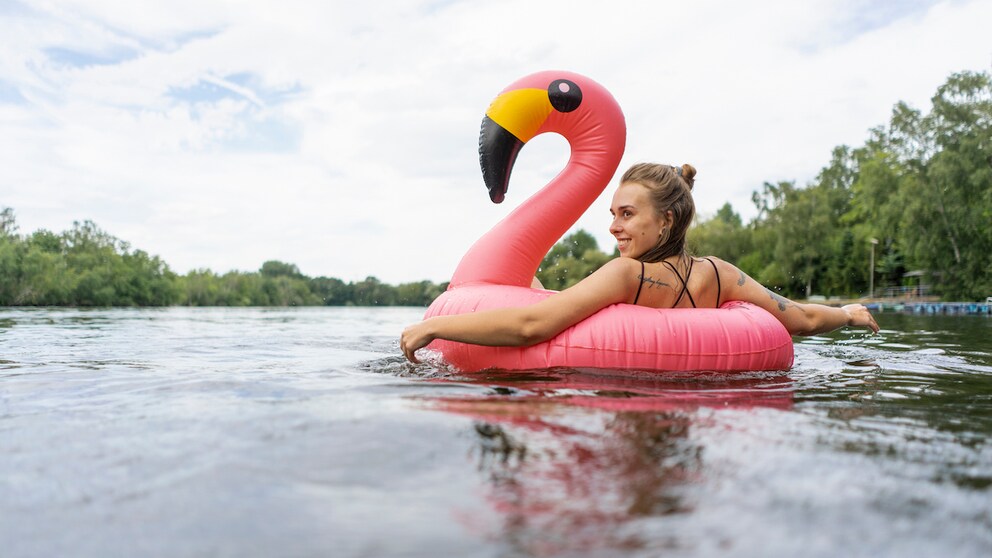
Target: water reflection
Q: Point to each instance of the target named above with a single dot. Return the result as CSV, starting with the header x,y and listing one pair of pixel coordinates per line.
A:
x,y
574,460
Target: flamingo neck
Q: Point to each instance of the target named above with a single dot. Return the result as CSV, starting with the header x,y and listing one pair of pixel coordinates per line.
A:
x,y
510,253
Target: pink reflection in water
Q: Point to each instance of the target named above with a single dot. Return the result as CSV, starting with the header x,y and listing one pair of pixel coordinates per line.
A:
x,y
575,461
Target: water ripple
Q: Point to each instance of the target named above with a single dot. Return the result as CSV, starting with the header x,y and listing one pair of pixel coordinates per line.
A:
x,y
297,431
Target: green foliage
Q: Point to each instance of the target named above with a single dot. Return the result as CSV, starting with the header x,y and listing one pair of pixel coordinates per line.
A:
x,y
571,260
85,266
280,284
723,236
921,186
418,294
273,268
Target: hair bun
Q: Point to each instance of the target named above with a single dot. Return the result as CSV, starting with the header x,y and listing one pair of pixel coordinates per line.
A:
x,y
688,174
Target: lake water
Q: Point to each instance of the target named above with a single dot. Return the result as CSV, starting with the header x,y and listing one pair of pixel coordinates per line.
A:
x,y
302,432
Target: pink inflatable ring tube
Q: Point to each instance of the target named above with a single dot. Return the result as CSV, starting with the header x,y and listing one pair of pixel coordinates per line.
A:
x,y
497,269
736,336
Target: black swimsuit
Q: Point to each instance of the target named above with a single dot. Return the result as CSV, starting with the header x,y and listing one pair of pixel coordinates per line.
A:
x,y
685,282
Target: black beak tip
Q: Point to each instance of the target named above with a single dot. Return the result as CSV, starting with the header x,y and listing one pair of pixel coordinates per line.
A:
x,y
498,150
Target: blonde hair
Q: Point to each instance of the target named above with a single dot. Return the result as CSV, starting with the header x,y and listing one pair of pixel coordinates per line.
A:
x,y
670,190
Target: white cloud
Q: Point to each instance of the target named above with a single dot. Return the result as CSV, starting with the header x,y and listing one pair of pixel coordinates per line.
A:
x,y
342,138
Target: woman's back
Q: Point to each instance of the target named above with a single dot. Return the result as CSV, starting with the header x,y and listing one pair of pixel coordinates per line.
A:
x,y
682,282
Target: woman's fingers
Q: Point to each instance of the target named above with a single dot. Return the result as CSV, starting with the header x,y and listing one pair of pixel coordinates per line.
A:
x,y
873,324
409,344
861,317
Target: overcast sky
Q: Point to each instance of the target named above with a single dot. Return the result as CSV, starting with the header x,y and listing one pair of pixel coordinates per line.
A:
x,y
342,136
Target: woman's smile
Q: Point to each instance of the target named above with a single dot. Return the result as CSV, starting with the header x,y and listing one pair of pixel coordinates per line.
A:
x,y
636,225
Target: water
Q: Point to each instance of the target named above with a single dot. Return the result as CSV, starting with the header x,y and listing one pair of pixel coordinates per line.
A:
x,y
302,432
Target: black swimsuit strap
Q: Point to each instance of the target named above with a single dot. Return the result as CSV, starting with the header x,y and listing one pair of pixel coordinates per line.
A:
x,y
639,285
688,274
685,283
717,281
679,275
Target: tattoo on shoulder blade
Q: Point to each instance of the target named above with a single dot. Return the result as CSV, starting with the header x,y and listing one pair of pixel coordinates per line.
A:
x,y
652,282
783,302
740,282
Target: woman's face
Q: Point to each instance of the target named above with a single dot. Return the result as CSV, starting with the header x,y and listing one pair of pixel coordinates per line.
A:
x,y
636,225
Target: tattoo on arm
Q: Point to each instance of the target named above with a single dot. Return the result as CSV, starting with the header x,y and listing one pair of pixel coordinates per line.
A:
x,y
652,282
783,302
740,282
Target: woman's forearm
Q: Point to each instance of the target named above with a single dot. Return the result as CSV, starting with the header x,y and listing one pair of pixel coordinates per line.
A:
x,y
821,318
499,327
828,318
798,318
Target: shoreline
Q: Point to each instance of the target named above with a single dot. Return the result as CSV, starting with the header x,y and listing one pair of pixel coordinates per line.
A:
x,y
919,305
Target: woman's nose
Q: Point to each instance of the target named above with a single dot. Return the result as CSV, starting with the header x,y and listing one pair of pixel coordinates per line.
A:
x,y
614,227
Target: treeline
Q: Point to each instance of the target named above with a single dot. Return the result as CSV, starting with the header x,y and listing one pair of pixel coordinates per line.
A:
x,y
920,187
919,191
85,266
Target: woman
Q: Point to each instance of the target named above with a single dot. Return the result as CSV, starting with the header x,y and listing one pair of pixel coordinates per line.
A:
x,y
652,210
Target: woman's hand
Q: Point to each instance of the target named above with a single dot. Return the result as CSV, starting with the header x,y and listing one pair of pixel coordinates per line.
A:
x,y
415,337
859,316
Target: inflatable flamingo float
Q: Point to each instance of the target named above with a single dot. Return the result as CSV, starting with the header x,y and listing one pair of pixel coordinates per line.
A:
x,y
497,270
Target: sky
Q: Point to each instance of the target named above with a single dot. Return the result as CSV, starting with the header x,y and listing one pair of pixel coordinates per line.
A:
x,y
342,136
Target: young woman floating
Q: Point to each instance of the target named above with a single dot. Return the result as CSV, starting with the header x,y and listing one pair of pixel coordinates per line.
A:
x,y
652,210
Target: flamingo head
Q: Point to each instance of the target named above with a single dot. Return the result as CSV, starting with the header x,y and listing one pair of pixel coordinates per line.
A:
x,y
570,104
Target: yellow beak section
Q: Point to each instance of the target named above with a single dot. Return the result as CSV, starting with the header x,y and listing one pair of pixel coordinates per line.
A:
x,y
521,112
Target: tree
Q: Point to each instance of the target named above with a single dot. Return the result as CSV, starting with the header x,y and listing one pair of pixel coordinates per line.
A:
x,y
571,260
8,224
945,190
372,292
274,268
723,235
330,290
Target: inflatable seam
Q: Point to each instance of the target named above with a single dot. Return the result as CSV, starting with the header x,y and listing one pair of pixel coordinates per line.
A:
x,y
767,349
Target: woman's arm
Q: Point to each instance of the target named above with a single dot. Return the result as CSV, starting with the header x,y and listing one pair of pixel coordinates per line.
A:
x,y
799,319
531,324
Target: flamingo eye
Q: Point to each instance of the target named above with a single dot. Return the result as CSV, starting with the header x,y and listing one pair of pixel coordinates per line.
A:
x,y
565,95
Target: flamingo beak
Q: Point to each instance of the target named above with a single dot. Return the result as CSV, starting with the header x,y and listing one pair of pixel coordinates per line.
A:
x,y
498,150
513,118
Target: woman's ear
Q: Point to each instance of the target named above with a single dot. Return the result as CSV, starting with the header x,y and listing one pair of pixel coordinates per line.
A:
x,y
666,222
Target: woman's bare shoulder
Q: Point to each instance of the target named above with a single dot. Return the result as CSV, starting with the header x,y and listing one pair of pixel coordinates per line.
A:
x,y
732,279
738,285
623,263
616,277
725,267
623,269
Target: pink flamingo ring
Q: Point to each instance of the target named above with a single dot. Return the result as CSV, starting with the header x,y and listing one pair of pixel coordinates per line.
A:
x,y
497,270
